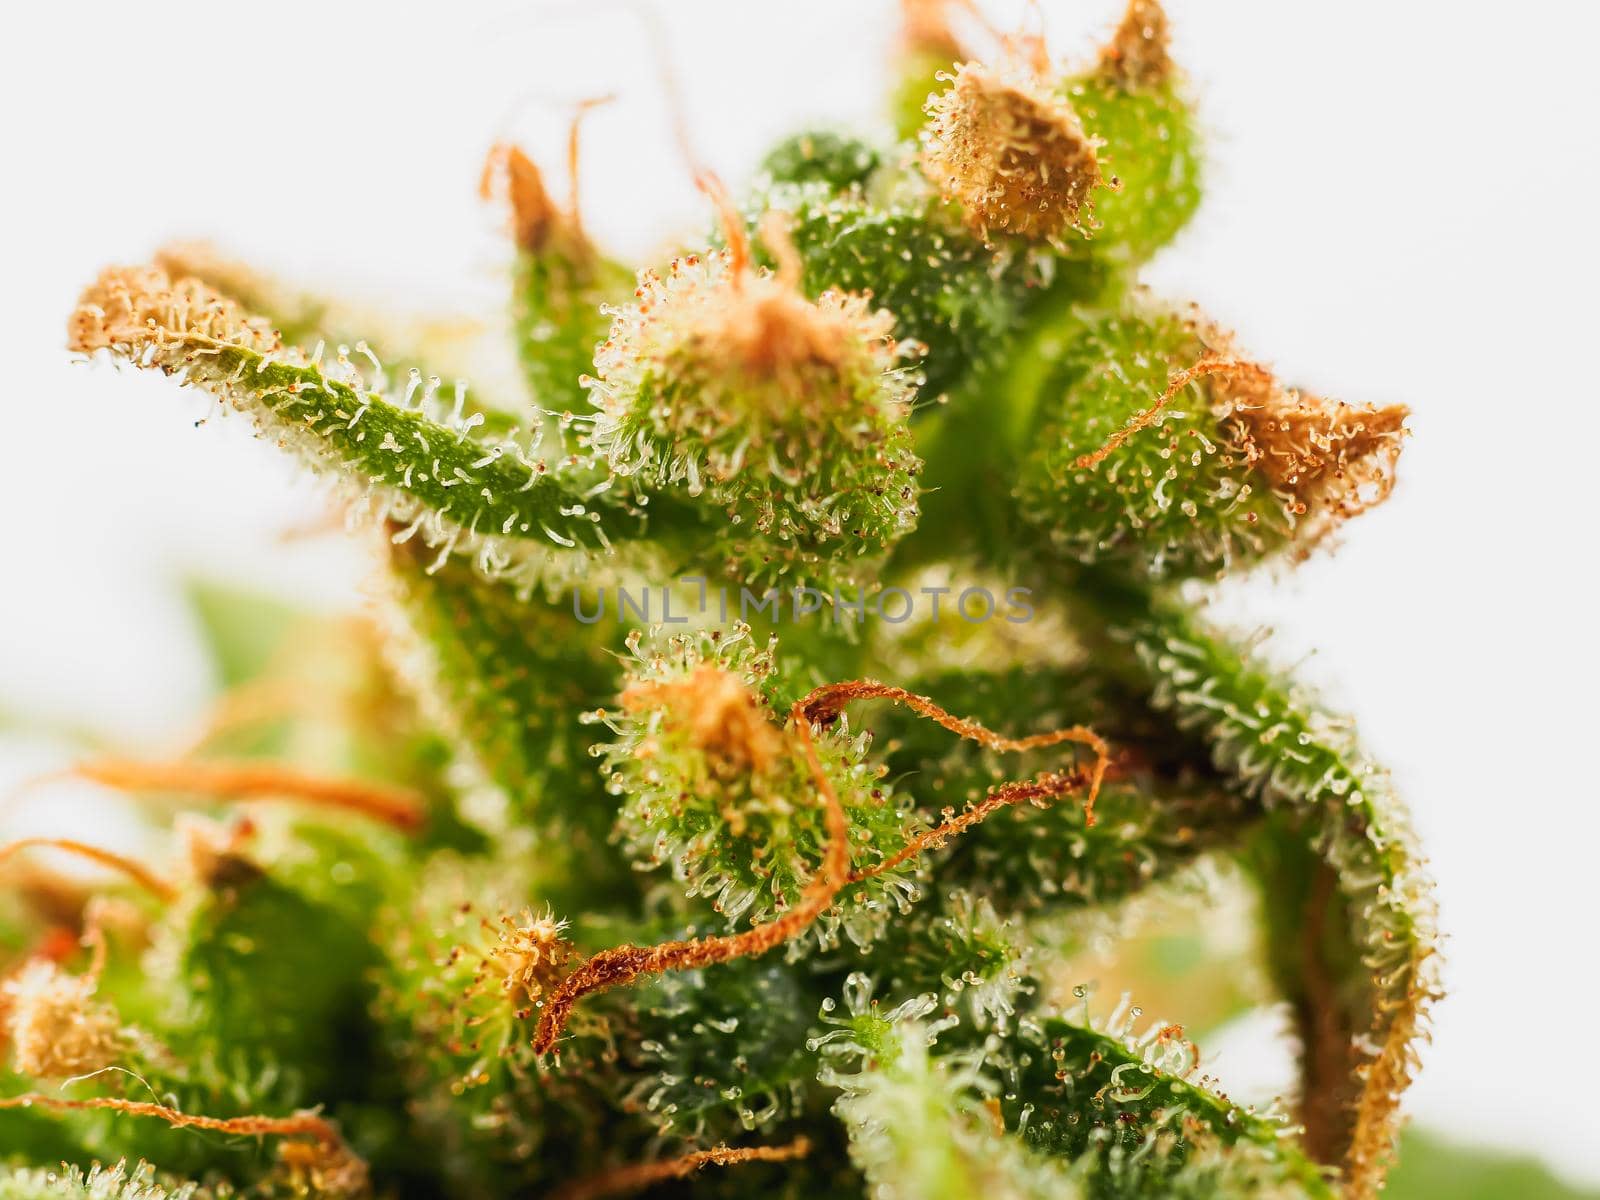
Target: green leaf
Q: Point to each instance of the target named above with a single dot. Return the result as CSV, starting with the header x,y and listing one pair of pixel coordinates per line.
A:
x,y
408,460
1132,1103
1050,1108
919,1130
557,318
305,320
509,679
270,991
1379,975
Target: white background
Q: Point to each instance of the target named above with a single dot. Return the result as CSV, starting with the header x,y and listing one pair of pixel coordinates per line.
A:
x,y
1401,207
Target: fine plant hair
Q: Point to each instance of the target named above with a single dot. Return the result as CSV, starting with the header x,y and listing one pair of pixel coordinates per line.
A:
x,y
475,896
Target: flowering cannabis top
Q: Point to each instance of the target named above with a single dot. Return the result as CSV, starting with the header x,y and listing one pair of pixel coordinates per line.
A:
x,y
498,895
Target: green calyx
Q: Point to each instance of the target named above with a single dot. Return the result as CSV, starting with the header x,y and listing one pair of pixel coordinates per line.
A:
x,y
1178,497
1163,452
785,419
560,283
1104,163
1134,104
1150,150
716,788
955,301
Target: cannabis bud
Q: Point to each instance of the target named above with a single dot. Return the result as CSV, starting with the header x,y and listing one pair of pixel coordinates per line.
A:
x,y
486,894
1015,156
1174,456
786,416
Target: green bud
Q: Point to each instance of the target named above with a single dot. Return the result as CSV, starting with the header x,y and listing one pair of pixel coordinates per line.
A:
x,y
953,298
716,788
560,281
1012,153
784,418
555,967
1134,104
1170,456
693,1056
249,982
471,956
509,678
1111,154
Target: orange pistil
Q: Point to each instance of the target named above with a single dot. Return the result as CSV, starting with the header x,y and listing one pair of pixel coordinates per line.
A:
x,y
257,781
1331,460
574,212
717,712
1209,364
533,213
825,703
1170,1034
138,872
640,1175
1138,54
300,1125
621,965
732,223
1045,787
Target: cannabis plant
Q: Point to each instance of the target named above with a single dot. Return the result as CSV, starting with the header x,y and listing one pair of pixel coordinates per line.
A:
x,y
765,718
